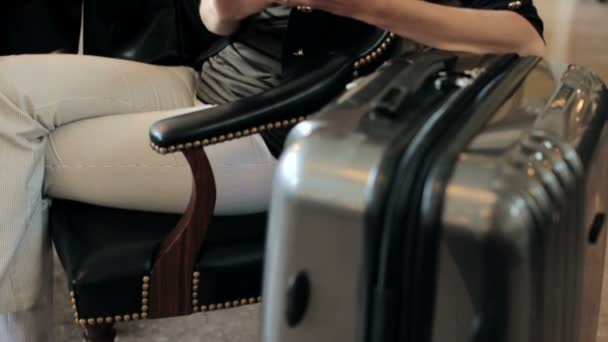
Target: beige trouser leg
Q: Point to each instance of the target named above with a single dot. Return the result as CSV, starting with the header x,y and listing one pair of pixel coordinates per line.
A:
x,y
112,165
38,94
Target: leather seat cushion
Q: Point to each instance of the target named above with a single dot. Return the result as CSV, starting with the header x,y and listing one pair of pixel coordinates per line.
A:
x,y
106,252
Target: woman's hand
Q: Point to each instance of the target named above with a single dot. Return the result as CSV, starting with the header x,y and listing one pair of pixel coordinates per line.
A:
x,y
224,16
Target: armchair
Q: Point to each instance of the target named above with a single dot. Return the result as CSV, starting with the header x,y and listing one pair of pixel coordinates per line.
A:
x,y
125,265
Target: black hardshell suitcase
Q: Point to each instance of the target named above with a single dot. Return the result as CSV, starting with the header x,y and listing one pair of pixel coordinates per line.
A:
x,y
446,197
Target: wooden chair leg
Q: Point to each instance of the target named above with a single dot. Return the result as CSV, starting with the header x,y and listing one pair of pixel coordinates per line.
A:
x,y
100,333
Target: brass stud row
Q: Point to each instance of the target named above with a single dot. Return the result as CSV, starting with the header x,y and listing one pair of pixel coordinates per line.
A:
x,y
228,304
227,137
110,320
515,5
118,318
305,9
374,55
145,287
195,286
74,308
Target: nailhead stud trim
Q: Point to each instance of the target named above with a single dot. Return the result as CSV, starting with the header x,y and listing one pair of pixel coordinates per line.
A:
x,y
118,318
228,305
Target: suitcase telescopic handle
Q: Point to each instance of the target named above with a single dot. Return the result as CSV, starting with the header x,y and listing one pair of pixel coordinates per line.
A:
x,y
410,80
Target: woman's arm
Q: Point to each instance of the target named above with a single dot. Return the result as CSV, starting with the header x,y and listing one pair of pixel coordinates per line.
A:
x,y
444,27
223,17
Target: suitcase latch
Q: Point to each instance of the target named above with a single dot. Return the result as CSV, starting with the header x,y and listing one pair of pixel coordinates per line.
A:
x,y
450,79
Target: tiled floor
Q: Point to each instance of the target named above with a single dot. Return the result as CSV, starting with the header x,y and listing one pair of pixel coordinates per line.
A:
x,y
576,32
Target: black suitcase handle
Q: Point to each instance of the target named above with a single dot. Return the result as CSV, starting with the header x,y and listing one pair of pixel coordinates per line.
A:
x,y
422,69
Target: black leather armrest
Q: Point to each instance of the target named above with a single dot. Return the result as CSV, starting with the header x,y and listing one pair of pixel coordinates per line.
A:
x,y
318,80
278,107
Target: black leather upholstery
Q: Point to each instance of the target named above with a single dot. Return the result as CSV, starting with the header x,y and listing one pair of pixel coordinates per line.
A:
x,y
105,253
167,32
39,26
321,36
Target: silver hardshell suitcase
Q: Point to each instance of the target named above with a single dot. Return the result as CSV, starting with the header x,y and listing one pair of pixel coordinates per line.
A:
x,y
446,197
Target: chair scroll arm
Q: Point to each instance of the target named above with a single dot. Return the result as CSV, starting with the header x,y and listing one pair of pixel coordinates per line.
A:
x,y
172,277
284,105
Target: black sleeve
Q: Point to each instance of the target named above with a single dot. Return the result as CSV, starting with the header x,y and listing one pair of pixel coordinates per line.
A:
x,y
525,8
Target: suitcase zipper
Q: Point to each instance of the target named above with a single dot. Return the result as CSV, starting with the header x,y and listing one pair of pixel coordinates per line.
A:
x,y
433,178
408,300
